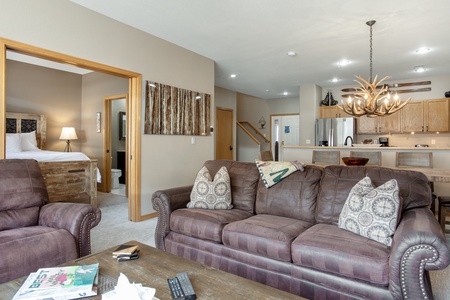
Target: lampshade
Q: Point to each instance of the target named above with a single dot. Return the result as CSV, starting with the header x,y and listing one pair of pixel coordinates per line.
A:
x,y
68,133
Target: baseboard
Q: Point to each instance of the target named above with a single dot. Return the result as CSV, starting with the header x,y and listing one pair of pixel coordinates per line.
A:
x,y
148,216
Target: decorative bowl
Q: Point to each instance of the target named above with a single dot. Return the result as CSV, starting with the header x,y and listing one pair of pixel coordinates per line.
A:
x,y
355,161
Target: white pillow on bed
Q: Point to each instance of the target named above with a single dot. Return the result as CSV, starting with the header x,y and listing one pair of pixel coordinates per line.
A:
x,y
29,142
13,142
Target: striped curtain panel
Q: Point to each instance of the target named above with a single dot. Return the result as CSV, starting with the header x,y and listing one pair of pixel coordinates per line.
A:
x,y
171,110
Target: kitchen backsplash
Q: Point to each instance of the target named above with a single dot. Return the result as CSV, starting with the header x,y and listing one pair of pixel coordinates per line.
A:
x,y
441,140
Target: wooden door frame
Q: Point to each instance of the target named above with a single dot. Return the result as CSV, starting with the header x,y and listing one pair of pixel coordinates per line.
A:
x,y
133,143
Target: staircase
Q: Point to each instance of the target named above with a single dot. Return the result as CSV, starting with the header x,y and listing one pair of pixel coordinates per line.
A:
x,y
255,135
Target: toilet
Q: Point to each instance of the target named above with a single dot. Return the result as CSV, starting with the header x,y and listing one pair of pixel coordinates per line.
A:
x,y
115,174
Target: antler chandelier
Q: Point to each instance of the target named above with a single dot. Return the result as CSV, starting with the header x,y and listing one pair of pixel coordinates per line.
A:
x,y
372,98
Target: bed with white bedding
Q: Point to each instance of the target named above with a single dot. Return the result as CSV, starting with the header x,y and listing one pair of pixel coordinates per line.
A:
x,y
69,176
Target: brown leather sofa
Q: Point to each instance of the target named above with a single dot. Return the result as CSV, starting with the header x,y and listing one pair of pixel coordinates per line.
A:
x,y
286,236
33,232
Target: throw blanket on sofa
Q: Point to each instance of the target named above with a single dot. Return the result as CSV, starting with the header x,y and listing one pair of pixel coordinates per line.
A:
x,y
273,172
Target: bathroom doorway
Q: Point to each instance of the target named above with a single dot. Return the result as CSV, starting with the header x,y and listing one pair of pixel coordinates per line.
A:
x,y
114,161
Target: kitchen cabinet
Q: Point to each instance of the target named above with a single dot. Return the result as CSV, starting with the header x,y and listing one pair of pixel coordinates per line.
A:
x,y
329,112
426,116
385,124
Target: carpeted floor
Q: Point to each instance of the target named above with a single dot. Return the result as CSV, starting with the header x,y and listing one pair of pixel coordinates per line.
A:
x,y
115,229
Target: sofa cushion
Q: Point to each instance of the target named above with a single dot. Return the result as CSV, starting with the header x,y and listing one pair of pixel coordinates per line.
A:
x,y
211,194
204,223
372,212
267,235
337,182
330,249
293,197
244,177
24,250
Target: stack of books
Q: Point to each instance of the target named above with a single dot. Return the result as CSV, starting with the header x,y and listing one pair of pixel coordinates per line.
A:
x,y
126,252
60,283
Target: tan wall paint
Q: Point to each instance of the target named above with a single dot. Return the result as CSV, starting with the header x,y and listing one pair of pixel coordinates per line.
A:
x,y
96,86
38,90
167,161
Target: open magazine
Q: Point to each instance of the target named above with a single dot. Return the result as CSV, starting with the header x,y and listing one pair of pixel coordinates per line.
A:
x,y
60,283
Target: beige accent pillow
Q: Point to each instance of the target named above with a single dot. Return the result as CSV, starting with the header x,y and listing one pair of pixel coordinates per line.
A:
x,y
211,194
372,212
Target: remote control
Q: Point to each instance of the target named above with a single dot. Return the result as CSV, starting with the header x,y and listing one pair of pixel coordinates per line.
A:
x,y
181,287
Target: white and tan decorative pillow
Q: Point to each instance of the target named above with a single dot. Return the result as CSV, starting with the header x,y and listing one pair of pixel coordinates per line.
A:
x,y
372,212
211,194
272,172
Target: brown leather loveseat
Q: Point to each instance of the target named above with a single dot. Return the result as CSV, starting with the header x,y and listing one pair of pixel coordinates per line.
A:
x,y
33,232
286,236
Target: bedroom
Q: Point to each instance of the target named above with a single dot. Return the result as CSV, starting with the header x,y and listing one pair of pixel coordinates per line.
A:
x,y
68,99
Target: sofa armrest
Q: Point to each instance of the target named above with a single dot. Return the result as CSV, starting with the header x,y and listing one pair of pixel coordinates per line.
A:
x,y
164,202
418,245
77,218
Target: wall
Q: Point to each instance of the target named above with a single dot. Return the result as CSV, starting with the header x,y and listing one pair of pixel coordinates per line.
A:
x,y
251,109
167,161
38,90
95,87
309,111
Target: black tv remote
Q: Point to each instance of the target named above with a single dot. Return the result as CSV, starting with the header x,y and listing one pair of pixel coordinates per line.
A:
x,y
181,287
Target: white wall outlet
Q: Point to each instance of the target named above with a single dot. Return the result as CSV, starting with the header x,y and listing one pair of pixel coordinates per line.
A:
x,y
433,142
193,140
308,142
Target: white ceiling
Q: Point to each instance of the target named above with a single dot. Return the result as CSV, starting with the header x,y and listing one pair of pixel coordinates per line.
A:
x,y
251,38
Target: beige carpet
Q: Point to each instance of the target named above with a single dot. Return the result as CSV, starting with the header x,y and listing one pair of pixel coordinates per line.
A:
x,y
115,229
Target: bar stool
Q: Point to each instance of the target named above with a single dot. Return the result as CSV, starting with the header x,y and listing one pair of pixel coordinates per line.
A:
x,y
444,204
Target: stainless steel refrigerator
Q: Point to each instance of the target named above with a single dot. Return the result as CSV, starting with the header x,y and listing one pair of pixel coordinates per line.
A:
x,y
333,132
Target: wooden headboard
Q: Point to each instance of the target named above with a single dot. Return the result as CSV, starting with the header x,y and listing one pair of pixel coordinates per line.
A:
x,y
18,122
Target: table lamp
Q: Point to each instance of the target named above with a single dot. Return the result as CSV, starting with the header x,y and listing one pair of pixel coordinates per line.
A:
x,y
68,133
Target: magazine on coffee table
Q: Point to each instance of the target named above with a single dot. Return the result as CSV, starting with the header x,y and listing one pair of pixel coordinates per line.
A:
x,y
60,283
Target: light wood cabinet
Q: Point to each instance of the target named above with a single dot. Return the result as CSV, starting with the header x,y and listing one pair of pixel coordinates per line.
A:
x,y
437,115
426,116
413,117
331,112
385,124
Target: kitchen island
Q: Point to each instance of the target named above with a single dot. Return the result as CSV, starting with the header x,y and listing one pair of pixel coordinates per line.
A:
x,y
441,158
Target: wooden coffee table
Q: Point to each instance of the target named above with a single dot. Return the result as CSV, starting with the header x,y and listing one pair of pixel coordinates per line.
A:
x,y
154,267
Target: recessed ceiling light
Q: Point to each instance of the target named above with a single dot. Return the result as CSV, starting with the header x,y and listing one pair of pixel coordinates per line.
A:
x,y
285,93
233,75
291,53
334,80
267,91
423,50
419,69
343,63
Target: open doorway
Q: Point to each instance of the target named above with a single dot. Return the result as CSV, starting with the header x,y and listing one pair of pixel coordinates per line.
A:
x,y
133,127
114,144
284,131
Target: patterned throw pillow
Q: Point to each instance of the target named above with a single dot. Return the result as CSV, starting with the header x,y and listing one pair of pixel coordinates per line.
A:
x,y
372,212
272,172
211,194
